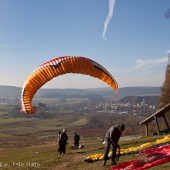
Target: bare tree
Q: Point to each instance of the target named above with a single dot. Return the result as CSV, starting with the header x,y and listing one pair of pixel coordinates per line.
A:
x,y
164,98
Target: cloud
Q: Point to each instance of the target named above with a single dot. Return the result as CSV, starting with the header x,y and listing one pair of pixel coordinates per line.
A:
x,y
168,52
141,64
139,80
109,17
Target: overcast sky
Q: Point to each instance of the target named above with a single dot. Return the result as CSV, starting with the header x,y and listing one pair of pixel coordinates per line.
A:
x,y
130,38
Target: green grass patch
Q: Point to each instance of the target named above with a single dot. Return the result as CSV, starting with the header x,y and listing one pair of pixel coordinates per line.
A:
x,y
80,122
3,135
49,124
12,120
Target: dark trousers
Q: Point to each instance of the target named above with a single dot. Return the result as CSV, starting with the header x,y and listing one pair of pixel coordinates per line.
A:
x,y
76,145
62,147
114,148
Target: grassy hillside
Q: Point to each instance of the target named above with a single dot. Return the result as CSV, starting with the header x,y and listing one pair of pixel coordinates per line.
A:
x,y
31,143
45,156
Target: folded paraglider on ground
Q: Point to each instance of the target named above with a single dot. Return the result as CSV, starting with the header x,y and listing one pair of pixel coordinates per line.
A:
x,y
132,150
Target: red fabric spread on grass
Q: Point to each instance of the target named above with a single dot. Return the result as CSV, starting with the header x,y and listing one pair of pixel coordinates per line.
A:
x,y
155,163
163,151
123,165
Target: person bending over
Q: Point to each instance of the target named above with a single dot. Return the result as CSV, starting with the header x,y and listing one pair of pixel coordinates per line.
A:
x,y
111,138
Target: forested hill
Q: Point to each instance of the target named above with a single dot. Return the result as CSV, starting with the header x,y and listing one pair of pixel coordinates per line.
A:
x,y
15,92
150,100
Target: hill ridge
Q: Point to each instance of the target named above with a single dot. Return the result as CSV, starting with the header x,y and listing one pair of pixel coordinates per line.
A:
x,y
15,92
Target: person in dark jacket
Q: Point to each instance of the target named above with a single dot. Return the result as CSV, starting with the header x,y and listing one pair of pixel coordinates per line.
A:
x,y
76,139
63,141
111,138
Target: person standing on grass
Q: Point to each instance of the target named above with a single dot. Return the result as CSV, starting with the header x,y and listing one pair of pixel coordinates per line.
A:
x,y
111,138
63,142
76,139
59,142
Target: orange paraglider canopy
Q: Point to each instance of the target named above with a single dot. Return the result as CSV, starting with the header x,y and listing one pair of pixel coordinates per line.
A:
x,y
59,66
